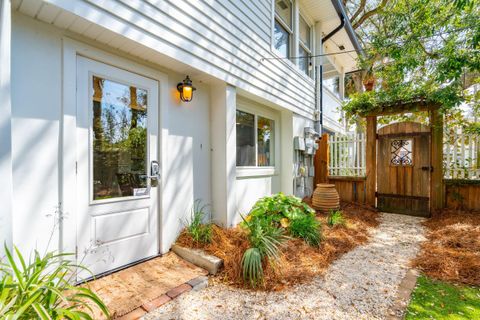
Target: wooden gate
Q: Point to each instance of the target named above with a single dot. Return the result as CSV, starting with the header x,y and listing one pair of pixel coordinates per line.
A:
x,y
404,168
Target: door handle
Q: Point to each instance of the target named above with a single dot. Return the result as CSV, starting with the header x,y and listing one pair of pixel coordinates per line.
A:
x,y
426,168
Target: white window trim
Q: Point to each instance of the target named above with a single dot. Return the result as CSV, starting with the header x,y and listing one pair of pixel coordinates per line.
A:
x,y
301,44
295,40
259,110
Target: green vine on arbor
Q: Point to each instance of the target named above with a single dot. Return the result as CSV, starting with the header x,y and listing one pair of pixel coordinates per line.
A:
x,y
421,51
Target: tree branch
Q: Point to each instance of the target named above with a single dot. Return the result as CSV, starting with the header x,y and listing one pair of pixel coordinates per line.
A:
x,y
360,9
369,14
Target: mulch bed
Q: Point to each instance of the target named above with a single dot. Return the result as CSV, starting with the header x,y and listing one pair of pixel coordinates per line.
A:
x,y
452,250
299,262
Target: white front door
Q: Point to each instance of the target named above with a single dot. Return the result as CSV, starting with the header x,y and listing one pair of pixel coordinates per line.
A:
x,y
117,153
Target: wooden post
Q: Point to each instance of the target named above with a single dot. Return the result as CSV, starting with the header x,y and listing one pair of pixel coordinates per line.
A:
x,y
371,158
436,179
321,161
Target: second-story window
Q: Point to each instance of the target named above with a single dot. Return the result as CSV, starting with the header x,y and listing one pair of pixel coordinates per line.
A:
x,y
304,45
283,30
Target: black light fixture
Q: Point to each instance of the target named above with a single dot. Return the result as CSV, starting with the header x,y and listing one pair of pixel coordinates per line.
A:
x,y
186,89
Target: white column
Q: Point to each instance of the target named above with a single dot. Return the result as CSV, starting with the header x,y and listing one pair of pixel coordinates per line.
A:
x,y
286,152
224,154
341,84
6,193
318,43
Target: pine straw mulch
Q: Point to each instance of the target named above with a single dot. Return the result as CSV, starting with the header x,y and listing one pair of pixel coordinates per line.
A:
x,y
452,250
299,262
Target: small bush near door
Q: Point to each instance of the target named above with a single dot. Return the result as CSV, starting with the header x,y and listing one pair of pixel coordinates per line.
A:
x,y
41,289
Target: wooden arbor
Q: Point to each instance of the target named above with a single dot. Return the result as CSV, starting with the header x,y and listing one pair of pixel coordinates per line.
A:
x,y
436,150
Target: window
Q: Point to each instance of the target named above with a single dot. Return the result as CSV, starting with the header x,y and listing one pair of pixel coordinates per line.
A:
x,y
283,31
304,45
119,125
255,140
401,152
333,84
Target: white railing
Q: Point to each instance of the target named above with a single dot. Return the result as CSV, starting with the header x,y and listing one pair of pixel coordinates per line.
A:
x,y
347,155
461,155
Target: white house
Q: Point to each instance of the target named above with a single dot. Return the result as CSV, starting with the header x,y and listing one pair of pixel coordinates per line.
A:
x,y
100,156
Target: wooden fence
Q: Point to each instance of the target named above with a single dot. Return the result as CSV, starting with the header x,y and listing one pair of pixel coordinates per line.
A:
x,y
340,160
462,194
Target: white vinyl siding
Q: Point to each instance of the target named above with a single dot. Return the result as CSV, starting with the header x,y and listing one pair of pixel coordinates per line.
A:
x,y
226,39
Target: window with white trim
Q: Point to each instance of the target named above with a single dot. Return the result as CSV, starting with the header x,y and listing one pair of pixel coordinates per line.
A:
x,y
283,27
304,45
255,140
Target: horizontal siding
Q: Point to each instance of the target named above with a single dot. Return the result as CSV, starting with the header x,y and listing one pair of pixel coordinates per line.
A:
x,y
224,38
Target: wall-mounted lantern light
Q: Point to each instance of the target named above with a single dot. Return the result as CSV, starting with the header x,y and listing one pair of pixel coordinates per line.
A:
x,y
186,90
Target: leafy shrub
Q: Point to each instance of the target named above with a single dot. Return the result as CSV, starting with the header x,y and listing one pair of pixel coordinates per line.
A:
x,y
199,231
279,206
289,213
336,218
41,289
307,228
265,240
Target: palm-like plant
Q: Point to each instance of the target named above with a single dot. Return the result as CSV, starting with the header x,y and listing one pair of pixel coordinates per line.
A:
x,y
265,241
42,289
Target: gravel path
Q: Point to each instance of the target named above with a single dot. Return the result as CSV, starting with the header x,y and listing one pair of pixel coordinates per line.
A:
x,y
362,284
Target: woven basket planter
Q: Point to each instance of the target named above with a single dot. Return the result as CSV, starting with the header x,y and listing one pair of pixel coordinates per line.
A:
x,y
325,197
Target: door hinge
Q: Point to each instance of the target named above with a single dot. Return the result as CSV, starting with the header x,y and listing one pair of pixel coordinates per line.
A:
x,y
76,252
76,167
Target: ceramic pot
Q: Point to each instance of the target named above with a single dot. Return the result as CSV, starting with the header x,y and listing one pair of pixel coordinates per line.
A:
x,y
325,197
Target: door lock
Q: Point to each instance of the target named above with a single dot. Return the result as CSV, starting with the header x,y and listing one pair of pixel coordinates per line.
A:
x,y
154,170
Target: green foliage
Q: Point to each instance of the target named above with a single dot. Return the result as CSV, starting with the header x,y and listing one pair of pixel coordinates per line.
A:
x,y
200,231
278,206
252,268
41,289
267,223
439,300
289,213
335,218
420,50
307,228
473,128
265,240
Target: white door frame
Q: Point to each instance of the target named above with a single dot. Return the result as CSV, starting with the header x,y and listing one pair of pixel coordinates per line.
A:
x,y
67,157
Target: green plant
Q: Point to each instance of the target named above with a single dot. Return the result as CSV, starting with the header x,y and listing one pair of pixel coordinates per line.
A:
x,y
42,289
308,228
265,241
252,269
200,231
279,206
335,218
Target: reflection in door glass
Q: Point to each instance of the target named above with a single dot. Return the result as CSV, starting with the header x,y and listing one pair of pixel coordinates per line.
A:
x,y
119,139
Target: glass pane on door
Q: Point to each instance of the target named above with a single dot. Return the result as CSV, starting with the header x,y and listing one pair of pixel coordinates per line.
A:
x,y
119,126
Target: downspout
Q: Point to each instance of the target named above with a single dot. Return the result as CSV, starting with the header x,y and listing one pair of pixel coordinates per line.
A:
x,y
319,78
